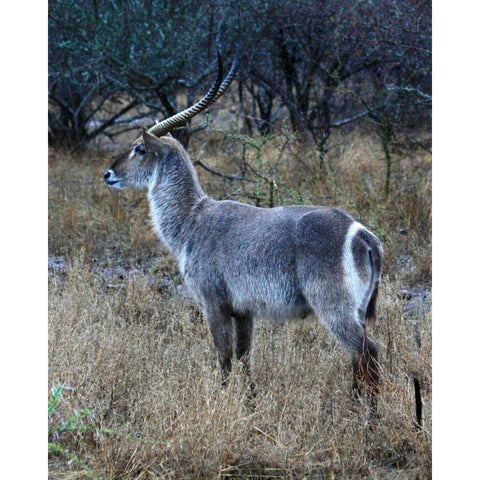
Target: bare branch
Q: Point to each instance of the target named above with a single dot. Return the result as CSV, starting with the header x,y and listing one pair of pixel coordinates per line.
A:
x,y
345,121
220,174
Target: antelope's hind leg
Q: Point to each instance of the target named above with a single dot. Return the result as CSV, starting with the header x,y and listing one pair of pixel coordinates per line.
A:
x,y
350,332
366,372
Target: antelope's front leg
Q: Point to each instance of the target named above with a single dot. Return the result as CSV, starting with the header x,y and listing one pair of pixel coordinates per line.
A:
x,y
243,332
220,323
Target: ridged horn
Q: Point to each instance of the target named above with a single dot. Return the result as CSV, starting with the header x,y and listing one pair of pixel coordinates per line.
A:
x,y
216,91
230,76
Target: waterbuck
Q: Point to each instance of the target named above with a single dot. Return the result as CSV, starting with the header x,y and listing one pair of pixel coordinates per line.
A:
x,y
242,262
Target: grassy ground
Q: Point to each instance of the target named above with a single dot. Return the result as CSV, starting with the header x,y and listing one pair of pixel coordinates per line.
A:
x,y
134,382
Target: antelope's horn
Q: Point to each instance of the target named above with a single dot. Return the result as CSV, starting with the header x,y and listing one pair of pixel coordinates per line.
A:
x,y
216,91
230,76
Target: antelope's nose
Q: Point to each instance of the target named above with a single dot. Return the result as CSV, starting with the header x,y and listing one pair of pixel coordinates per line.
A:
x,y
109,177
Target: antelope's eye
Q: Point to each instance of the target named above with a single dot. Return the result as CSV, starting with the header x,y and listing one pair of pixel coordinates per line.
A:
x,y
139,148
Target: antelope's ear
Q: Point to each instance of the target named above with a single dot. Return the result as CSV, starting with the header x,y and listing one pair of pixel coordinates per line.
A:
x,y
150,141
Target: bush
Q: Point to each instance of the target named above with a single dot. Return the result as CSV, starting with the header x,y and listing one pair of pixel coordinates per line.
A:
x,y
324,66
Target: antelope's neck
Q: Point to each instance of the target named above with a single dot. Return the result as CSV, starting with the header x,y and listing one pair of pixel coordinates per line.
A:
x,y
173,197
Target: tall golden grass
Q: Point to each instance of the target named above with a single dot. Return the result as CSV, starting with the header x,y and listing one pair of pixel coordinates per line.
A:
x,y
128,346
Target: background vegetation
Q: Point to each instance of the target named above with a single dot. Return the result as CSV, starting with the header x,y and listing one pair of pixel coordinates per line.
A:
x,y
331,106
323,65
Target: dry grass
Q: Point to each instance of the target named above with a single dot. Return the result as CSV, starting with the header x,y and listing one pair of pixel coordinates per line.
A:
x,y
133,351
